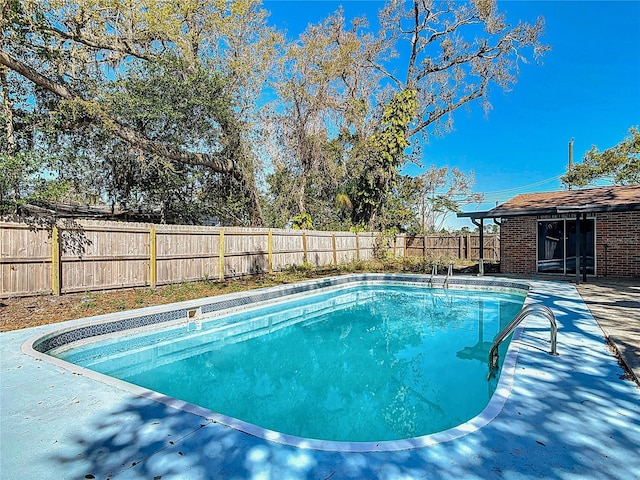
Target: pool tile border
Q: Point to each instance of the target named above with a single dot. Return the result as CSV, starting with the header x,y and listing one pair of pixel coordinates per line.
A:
x,y
217,304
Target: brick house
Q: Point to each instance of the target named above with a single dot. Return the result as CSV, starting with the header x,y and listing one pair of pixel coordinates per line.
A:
x,y
594,231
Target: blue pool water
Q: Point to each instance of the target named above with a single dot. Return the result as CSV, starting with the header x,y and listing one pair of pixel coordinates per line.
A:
x,y
358,364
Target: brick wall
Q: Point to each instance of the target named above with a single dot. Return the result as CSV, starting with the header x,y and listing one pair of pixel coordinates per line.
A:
x,y
518,245
618,244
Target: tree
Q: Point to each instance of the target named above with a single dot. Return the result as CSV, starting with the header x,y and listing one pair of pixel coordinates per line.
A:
x,y
442,192
324,97
444,67
170,102
71,51
620,164
341,127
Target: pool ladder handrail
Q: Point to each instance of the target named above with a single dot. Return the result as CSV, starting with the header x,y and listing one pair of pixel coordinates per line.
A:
x,y
434,272
506,331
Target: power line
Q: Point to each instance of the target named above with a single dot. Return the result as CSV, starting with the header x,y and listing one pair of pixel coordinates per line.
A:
x,y
524,187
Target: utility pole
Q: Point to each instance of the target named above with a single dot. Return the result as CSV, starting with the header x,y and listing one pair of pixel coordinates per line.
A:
x,y
570,157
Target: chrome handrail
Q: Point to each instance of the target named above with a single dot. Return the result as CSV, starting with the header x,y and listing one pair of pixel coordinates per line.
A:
x,y
434,271
449,274
506,331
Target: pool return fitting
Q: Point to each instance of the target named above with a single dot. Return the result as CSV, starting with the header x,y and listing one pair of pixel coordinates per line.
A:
x,y
506,331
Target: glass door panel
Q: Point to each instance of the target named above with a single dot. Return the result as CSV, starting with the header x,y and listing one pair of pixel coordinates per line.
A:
x,y
587,251
551,238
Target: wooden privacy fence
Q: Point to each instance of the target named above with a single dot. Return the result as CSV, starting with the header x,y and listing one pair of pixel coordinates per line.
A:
x,y
121,255
463,247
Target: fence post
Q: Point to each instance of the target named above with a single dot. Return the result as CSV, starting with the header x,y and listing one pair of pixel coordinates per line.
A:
x,y
153,258
357,247
467,250
221,255
424,246
335,252
56,270
270,251
304,247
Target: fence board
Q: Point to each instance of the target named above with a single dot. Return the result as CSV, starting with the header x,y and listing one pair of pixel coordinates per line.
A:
x,y
319,248
114,257
186,253
287,249
245,254
367,245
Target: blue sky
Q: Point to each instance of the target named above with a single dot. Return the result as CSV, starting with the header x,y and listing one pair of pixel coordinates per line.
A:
x,y
587,88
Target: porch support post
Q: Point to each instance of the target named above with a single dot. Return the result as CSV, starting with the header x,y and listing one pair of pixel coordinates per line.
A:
x,y
481,259
481,249
577,249
584,252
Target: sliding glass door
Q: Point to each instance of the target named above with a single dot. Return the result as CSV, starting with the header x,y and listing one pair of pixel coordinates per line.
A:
x,y
557,246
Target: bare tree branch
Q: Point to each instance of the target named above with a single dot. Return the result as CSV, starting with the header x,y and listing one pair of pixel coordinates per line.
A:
x,y
120,46
437,114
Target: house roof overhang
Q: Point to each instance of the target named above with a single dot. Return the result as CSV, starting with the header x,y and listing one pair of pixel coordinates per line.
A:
x,y
587,201
559,210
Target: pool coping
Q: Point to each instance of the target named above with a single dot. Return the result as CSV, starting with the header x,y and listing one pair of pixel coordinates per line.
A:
x,y
567,417
84,329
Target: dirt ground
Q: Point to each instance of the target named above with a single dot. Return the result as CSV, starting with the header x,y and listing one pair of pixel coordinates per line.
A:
x,y
25,312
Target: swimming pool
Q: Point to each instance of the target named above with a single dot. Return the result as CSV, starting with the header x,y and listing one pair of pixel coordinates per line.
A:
x,y
426,366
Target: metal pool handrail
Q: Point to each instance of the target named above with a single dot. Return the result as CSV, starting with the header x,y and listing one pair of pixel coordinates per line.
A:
x,y
528,310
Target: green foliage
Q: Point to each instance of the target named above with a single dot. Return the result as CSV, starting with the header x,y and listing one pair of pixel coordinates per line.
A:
x,y
302,221
24,180
144,106
380,157
620,164
383,245
304,267
170,102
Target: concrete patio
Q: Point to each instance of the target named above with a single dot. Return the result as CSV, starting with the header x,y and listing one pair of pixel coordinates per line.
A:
x,y
571,416
615,304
